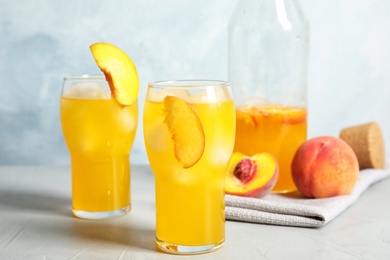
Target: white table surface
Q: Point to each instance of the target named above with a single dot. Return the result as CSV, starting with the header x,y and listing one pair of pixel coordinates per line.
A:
x,y
36,223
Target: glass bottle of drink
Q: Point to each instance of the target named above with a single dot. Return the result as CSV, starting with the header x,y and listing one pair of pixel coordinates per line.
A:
x,y
268,58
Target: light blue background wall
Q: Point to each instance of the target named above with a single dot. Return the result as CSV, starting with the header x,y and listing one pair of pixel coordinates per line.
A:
x,y
41,41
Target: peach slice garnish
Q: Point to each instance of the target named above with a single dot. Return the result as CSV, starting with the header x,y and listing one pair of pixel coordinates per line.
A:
x,y
186,129
119,70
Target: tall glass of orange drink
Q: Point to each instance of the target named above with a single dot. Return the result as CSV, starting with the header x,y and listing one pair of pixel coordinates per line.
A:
x,y
99,133
189,130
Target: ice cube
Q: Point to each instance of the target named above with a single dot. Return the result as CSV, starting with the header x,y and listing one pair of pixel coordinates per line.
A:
x,y
255,101
158,137
211,95
205,95
90,90
128,122
223,94
158,96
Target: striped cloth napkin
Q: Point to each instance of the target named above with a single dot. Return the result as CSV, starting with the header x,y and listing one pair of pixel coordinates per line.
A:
x,y
292,209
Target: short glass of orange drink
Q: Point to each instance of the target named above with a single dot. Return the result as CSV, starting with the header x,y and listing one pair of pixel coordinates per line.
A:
x,y
189,129
99,133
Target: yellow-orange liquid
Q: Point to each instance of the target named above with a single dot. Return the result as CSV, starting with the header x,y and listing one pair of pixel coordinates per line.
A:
x,y
274,129
99,134
190,202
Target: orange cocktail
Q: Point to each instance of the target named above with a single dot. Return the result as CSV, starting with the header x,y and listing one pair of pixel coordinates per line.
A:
x,y
279,130
189,130
99,133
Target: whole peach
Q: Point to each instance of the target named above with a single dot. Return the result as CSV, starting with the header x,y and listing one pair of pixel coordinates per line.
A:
x,y
324,167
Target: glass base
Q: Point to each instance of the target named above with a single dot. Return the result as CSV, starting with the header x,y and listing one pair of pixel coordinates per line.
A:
x,y
186,250
101,215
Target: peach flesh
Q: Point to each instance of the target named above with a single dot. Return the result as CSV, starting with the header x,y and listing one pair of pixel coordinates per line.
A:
x,y
325,167
251,176
186,129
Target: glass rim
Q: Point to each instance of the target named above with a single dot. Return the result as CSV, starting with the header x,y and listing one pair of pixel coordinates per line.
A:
x,y
189,83
85,77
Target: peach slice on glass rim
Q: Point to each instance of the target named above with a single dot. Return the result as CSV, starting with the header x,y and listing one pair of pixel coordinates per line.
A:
x,y
251,176
119,70
186,129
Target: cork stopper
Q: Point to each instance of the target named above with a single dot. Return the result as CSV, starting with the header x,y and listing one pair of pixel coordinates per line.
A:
x,y
367,142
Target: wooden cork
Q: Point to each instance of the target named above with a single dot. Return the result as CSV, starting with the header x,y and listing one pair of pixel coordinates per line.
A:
x,y
367,142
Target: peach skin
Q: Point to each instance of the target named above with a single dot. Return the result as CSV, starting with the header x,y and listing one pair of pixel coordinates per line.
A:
x,y
324,167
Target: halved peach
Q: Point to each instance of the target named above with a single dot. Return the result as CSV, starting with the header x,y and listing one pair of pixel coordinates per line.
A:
x,y
119,70
251,176
186,129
